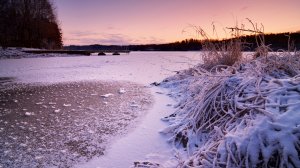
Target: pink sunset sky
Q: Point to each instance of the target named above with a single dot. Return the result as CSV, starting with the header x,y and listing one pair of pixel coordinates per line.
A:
x,y
124,22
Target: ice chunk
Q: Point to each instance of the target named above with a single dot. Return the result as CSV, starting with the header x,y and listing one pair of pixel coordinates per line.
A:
x,y
63,151
107,95
52,103
38,157
134,105
23,145
66,105
57,111
28,114
91,131
122,91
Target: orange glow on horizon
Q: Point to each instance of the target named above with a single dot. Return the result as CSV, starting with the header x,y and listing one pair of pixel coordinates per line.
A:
x,y
140,22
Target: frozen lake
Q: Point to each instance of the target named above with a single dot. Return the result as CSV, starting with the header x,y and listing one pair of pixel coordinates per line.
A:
x,y
143,142
140,67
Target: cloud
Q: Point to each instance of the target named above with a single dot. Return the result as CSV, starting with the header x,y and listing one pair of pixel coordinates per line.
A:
x,y
86,38
83,33
111,28
149,40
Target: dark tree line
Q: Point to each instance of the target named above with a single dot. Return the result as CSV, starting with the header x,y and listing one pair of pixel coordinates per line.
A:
x,y
274,41
285,41
29,23
185,45
278,41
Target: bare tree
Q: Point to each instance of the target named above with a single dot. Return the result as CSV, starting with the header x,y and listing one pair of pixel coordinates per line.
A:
x,y
29,23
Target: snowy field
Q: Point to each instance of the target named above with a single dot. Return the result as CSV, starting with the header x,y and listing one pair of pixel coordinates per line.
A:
x,y
143,143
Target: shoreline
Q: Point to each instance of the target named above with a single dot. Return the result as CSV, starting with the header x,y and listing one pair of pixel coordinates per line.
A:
x,y
145,144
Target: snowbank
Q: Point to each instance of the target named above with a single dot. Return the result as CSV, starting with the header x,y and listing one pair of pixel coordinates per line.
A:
x,y
239,116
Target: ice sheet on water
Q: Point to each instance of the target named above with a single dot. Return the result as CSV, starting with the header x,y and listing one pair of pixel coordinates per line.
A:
x,y
140,67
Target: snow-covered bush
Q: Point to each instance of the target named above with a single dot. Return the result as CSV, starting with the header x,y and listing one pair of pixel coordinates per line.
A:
x,y
227,52
245,115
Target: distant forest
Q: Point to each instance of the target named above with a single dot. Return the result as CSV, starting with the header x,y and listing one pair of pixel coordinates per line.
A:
x,y
29,23
275,42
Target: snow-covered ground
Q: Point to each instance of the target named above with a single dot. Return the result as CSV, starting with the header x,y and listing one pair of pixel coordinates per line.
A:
x,y
142,143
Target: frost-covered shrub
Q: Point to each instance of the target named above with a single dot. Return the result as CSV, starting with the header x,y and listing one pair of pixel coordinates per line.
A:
x,y
239,116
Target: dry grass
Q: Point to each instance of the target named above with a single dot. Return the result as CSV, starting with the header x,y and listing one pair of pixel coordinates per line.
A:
x,y
221,53
234,114
229,52
232,117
